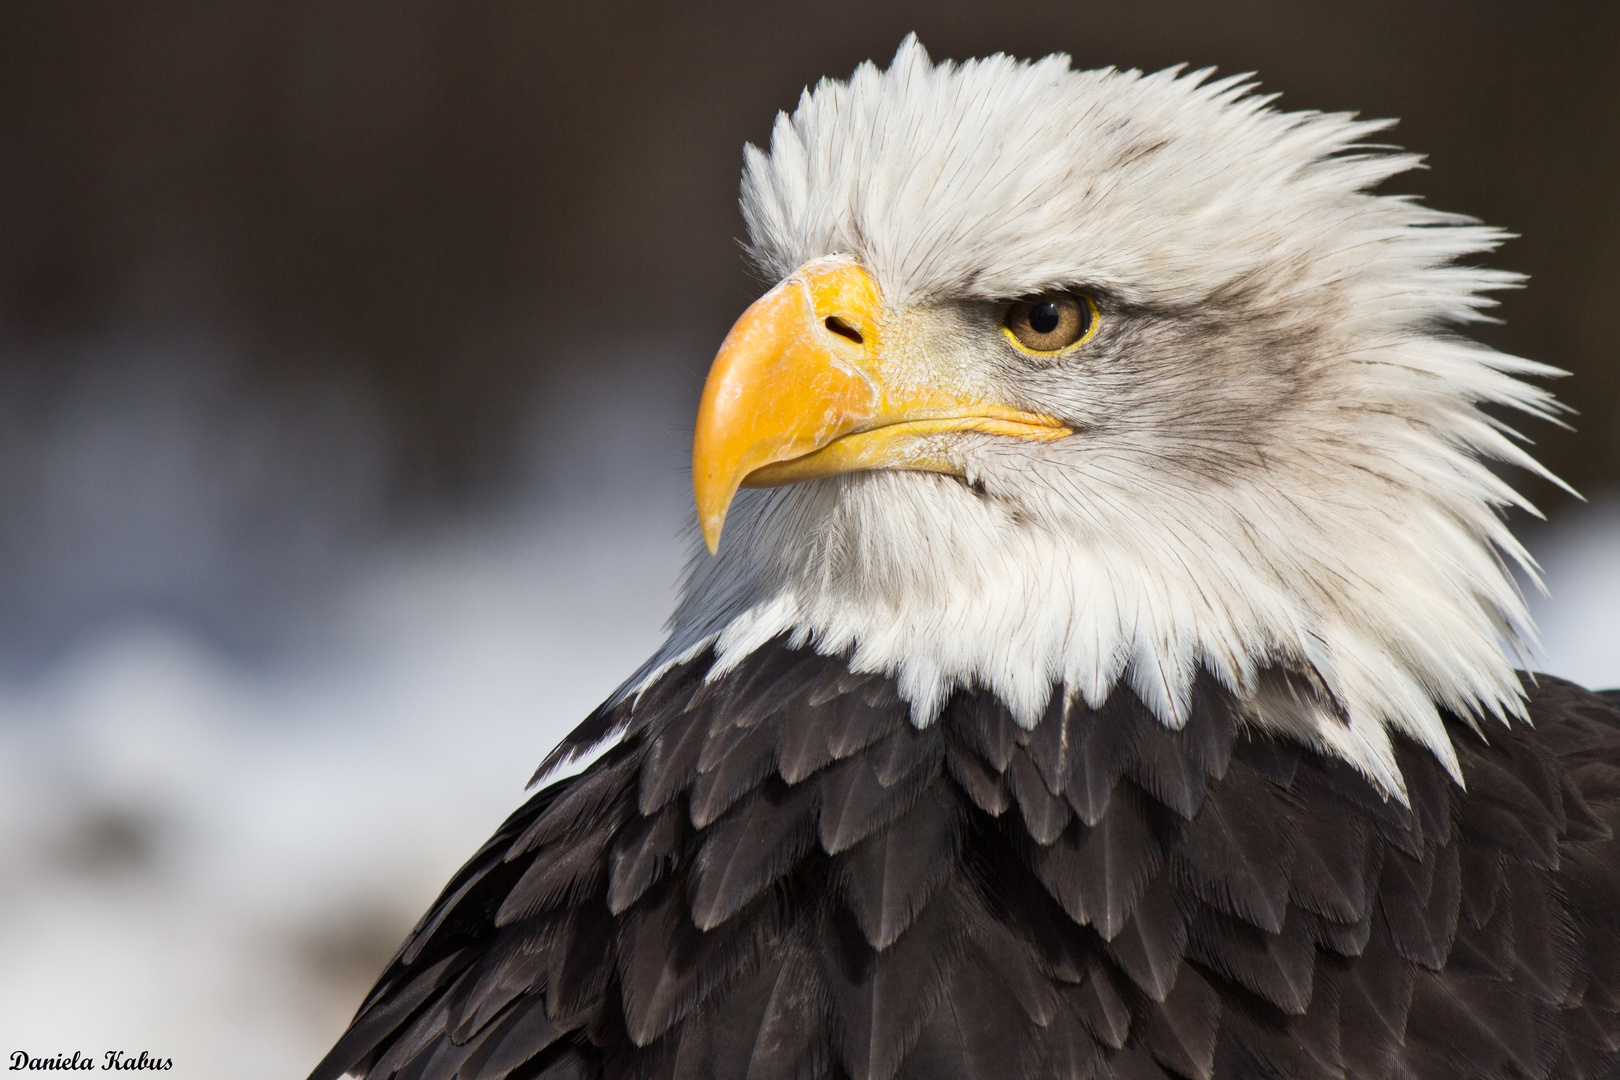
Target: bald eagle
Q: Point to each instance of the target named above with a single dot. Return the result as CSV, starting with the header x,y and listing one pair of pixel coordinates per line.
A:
x,y
1107,666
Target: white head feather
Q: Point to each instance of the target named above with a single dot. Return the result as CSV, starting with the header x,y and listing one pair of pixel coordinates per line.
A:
x,y
1278,468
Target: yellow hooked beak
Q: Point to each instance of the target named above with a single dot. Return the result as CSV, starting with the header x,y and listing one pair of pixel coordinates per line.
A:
x,y
802,388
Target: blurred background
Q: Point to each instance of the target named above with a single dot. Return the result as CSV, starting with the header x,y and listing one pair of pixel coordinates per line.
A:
x,y
348,351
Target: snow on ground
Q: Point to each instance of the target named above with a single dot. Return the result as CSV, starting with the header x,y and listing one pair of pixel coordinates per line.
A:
x,y
1579,617
212,864
211,861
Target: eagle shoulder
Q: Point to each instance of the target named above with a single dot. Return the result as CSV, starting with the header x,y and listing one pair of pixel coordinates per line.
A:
x,y
774,875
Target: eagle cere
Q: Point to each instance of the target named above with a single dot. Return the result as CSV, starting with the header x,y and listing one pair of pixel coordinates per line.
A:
x,y
1105,665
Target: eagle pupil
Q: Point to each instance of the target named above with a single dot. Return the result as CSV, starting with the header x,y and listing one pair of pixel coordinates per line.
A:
x,y
1044,318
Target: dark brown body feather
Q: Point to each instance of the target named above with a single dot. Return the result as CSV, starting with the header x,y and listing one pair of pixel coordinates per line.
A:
x,y
775,876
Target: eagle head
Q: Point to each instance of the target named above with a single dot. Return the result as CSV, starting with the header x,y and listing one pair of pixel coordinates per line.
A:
x,y
1070,378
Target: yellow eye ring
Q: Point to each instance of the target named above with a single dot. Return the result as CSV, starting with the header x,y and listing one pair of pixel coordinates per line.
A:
x,y
1050,324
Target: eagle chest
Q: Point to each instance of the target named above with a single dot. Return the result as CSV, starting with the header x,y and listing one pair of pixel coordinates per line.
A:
x,y
775,874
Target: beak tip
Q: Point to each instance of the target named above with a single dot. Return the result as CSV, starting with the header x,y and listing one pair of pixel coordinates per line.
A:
x,y
713,498
711,525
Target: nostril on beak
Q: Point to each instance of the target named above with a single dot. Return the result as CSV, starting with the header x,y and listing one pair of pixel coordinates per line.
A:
x,y
843,329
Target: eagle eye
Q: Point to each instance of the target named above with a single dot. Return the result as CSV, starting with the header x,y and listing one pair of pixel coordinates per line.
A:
x,y
1051,322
